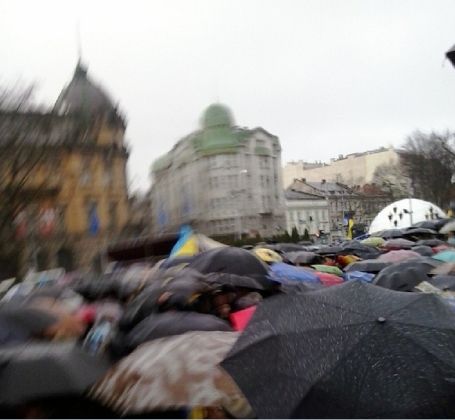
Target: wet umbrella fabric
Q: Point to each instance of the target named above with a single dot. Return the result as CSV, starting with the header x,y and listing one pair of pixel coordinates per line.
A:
x,y
389,234
173,323
406,275
431,242
231,260
423,250
369,266
444,269
373,241
285,273
359,275
447,256
329,250
399,255
395,244
353,350
40,370
233,281
31,321
174,372
303,257
443,282
360,250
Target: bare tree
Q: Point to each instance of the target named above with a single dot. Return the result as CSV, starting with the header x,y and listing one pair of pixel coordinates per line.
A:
x,y
25,138
428,160
392,179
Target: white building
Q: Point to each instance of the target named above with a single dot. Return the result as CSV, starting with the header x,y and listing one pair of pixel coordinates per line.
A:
x,y
222,179
305,211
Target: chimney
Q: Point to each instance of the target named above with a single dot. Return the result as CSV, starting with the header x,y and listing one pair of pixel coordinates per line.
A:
x,y
323,181
303,179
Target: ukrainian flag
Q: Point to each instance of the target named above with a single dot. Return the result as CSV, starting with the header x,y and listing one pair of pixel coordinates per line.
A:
x,y
187,245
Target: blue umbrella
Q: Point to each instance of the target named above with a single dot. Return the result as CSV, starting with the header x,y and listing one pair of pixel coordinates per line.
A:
x,y
284,273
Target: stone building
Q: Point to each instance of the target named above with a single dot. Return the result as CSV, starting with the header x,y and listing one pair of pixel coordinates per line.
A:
x,y
222,179
353,169
361,203
74,201
307,211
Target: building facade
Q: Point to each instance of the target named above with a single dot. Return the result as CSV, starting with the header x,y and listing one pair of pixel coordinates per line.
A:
x,y
353,169
307,212
361,204
74,199
221,179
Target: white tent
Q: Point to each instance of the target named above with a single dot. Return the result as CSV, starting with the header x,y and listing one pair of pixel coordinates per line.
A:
x,y
404,213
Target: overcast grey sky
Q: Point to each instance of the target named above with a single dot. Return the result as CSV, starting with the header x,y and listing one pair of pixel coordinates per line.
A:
x,y
327,77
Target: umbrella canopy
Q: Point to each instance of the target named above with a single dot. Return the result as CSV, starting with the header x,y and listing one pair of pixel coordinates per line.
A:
x,y
360,250
368,266
303,257
405,275
174,372
353,350
394,244
328,279
419,233
231,260
388,234
359,275
398,255
285,247
448,227
40,370
328,269
431,242
433,224
443,282
329,250
267,255
447,256
424,250
444,269
166,324
373,241
284,273
233,281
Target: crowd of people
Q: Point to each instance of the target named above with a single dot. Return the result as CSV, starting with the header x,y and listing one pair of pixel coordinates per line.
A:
x,y
223,332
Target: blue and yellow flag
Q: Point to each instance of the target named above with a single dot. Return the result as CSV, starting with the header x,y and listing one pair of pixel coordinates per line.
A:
x,y
187,245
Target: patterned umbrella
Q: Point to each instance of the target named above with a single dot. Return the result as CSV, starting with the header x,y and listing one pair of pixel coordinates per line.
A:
x,y
174,372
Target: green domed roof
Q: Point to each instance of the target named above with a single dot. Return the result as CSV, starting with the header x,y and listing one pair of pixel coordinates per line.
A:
x,y
217,115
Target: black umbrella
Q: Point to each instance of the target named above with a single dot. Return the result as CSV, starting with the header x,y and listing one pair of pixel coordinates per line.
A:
x,y
424,250
233,281
353,350
31,321
419,233
40,370
360,250
431,242
166,324
368,266
426,224
231,260
329,250
303,257
445,282
389,233
405,275
180,288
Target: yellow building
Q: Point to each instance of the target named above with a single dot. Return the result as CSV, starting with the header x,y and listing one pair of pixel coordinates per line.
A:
x,y
74,199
